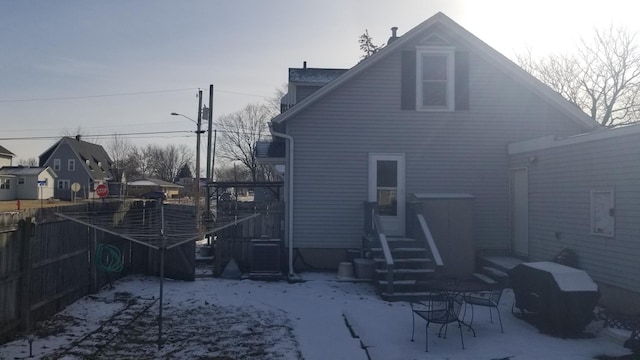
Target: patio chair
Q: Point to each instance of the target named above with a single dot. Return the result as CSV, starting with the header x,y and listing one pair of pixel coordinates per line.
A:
x,y
442,309
487,298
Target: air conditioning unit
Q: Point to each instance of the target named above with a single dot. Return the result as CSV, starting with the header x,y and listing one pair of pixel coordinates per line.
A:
x,y
265,258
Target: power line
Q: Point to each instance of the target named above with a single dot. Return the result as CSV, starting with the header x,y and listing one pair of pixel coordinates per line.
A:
x,y
79,97
94,96
98,135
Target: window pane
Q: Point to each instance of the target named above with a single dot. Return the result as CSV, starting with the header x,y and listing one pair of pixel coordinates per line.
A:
x,y
434,67
388,202
434,94
387,173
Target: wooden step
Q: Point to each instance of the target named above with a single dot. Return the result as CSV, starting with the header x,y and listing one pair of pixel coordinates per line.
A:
x,y
405,260
401,249
406,271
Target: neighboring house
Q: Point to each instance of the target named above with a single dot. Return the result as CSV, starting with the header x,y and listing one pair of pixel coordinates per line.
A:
x,y
77,161
432,113
141,186
305,81
582,193
6,157
26,183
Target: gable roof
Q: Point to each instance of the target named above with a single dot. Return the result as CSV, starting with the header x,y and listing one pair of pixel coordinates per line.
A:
x,y
89,154
5,152
23,170
475,44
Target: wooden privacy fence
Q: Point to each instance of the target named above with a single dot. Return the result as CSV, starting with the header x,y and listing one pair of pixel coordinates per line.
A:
x,y
234,242
47,263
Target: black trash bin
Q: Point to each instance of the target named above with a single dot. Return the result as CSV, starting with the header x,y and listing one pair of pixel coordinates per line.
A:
x,y
560,298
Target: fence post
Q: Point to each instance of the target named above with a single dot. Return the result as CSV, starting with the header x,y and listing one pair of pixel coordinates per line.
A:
x,y
26,261
93,272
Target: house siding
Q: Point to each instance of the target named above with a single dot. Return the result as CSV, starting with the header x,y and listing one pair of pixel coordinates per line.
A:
x,y
64,152
459,151
560,183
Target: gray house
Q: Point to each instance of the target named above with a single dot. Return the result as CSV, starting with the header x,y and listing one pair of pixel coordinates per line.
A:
x,y
582,193
431,113
77,161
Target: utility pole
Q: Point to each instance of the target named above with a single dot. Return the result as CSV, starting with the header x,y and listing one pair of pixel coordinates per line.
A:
x,y
197,184
209,170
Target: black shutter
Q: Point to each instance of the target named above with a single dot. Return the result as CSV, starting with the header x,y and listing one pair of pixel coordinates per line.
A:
x,y
408,82
462,80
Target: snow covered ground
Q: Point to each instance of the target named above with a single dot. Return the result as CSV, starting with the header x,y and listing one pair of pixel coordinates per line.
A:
x,y
320,318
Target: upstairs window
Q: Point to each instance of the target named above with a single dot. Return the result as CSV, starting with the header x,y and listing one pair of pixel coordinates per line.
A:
x,y
56,164
435,79
71,165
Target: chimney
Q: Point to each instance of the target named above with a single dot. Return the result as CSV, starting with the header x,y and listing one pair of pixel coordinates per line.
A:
x,y
78,137
394,35
304,65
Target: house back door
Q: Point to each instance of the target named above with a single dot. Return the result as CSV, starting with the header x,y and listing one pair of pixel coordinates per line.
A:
x,y
520,211
386,187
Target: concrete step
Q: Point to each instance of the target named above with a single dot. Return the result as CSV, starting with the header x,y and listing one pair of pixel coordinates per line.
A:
x,y
405,261
485,279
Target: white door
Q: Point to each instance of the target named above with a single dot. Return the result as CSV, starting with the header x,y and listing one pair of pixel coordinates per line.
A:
x,y
520,211
386,187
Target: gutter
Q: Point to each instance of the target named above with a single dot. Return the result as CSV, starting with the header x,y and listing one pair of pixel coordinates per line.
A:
x,y
289,175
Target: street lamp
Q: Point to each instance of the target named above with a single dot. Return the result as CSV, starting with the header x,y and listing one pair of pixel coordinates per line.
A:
x,y
198,132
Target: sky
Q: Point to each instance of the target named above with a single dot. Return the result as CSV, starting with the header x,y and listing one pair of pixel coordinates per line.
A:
x,y
245,319
124,66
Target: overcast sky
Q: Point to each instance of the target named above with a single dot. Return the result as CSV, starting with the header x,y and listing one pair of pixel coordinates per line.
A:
x,y
125,65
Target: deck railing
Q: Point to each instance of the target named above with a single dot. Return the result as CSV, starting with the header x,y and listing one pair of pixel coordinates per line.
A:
x,y
373,227
431,244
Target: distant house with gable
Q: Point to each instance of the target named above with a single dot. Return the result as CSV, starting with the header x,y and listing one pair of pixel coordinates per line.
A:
x,y
78,161
6,157
26,183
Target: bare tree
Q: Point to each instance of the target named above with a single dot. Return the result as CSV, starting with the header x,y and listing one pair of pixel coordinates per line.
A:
x,y
28,162
239,133
166,162
602,77
229,172
274,102
120,149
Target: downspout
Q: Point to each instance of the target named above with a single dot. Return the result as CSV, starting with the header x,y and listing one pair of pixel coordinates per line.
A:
x,y
289,172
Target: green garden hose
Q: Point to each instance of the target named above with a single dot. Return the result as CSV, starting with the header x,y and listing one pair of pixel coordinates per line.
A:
x,y
108,258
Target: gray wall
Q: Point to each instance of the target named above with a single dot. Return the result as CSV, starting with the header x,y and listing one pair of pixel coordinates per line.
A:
x,y
560,184
459,151
65,152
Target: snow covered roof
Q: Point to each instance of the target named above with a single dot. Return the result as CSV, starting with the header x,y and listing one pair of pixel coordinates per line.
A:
x,y
314,75
21,170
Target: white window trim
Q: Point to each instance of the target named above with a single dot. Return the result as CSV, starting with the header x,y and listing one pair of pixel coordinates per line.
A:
x,y
450,96
593,213
56,165
71,165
